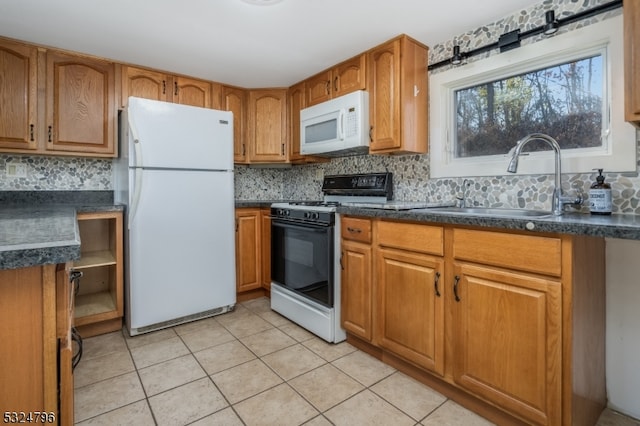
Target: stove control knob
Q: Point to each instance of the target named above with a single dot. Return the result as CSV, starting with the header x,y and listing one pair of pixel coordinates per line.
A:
x,y
315,215
287,212
307,215
279,212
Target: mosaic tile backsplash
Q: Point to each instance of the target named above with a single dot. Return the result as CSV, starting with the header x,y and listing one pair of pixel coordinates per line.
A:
x,y
411,172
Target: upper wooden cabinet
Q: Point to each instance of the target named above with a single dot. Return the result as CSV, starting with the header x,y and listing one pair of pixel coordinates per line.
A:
x,y
159,86
80,105
296,101
235,100
397,83
143,83
344,78
632,61
267,133
18,96
56,103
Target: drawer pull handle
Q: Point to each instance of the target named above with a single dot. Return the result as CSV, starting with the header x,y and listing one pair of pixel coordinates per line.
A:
x,y
50,133
164,87
175,88
435,284
455,288
341,264
31,132
354,230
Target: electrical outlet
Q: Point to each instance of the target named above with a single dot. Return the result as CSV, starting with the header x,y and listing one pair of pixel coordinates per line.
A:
x,y
319,174
16,170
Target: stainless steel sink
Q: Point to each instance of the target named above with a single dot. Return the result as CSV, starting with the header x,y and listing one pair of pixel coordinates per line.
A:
x,y
486,211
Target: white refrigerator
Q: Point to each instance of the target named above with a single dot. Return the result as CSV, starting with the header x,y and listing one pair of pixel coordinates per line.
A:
x,y
175,175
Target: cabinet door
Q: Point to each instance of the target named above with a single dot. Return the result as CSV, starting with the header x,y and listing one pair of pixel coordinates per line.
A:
x,y
398,97
146,84
356,289
80,105
384,95
248,251
265,245
64,314
318,88
28,354
189,91
234,100
267,125
296,102
410,306
349,76
507,336
632,61
18,96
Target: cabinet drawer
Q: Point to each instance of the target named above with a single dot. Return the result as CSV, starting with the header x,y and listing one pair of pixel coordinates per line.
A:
x,y
522,252
410,236
356,229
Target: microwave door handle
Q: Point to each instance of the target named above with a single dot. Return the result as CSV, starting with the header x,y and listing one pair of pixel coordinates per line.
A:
x,y
341,125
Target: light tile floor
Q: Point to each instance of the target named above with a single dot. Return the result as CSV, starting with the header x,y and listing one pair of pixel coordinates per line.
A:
x,y
252,367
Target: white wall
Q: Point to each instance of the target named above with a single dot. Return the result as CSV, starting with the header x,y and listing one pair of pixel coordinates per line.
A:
x,y
623,326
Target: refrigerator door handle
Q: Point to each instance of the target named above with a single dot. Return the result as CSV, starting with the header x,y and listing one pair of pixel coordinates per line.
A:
x,y
137,190
137,153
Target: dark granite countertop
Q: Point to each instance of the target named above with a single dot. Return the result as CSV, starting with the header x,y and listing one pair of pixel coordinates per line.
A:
x,y
613,226
41,227
256,203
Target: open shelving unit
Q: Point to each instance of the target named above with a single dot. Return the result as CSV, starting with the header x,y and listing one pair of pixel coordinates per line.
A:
x,y
99,299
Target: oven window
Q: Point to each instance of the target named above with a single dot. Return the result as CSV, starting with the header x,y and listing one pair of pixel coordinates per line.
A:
x,y
301,260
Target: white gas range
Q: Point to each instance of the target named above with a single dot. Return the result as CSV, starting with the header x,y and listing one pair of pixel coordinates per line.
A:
x,y
305,250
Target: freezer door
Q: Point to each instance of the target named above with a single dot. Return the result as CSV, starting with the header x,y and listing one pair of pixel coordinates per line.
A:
x,y
167,135
181,246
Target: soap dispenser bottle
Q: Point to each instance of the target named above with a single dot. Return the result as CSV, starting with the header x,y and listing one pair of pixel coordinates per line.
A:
x,y
600,196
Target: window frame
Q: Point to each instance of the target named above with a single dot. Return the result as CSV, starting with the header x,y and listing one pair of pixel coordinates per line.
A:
x,y
618,151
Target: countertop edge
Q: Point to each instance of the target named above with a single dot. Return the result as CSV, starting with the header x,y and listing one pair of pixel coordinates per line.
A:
x,y
613,226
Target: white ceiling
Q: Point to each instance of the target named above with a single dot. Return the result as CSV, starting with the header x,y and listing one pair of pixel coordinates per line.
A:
x,y
236,43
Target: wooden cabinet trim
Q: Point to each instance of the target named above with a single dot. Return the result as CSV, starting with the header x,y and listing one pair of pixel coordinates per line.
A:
x,y
356,229
410,236
529,253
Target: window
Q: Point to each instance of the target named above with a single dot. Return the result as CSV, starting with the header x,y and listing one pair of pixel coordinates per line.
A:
x,y
569,86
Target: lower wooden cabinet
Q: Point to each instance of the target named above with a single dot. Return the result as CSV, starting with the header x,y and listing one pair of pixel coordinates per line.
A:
x,y
99,298
36,350
409,306
510,324
253,252
356,298
265,246
507,334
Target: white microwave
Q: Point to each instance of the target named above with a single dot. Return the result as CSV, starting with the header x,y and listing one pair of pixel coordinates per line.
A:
x,y
338,127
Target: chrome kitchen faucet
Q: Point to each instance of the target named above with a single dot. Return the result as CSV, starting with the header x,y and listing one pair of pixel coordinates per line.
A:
x,y
559,200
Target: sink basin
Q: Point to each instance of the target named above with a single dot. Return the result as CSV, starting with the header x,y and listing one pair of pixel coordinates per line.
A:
x,y
487,211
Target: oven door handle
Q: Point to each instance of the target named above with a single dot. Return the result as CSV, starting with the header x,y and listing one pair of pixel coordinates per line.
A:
x,y
306,227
